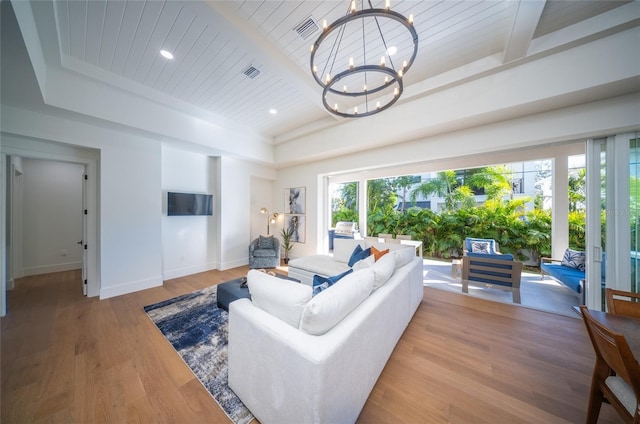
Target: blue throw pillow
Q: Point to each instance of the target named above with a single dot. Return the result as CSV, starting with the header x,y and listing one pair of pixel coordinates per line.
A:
x,y
323,283
358,254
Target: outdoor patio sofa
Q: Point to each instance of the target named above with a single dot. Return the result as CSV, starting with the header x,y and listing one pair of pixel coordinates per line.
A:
x,y
573,278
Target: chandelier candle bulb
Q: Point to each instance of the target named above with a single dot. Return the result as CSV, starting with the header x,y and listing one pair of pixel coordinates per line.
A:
x,y
328,78
411,19
324,25
355,110
353,6
382,62
344,89
350,63
400,73
404,65
395,91
335,107
377,105
387,4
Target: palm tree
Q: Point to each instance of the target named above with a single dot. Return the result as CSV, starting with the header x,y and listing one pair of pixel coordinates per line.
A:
x,y
447,186
497,181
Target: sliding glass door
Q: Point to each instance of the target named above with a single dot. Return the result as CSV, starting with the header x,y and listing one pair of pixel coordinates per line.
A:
x,y
612,215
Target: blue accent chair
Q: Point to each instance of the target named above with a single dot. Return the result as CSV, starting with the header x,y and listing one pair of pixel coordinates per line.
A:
x,y
264,252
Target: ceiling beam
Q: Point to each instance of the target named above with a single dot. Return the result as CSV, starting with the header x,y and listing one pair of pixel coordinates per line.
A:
x,y
525,21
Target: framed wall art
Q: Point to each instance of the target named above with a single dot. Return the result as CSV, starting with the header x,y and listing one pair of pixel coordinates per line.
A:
x,y
295,200
298,226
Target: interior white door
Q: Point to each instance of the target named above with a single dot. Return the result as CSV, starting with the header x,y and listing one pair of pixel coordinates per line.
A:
x,y
83,242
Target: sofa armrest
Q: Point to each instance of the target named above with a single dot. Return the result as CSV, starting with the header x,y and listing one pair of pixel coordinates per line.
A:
x,y
281,373
549,260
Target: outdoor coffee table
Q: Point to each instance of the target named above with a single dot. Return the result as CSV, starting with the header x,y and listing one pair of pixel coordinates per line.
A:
x,y
233,290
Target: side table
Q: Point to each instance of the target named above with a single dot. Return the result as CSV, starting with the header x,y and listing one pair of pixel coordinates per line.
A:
x,y
456,268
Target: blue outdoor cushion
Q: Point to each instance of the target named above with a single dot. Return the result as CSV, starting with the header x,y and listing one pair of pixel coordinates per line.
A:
x,y
568,276
322,283
358,254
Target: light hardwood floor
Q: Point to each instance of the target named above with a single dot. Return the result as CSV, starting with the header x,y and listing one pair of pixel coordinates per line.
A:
x,y
70,359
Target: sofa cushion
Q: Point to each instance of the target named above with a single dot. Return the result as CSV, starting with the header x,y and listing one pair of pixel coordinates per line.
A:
x,y
404,255
358,254
329,307
570,277
573,259
265,253
321,283
281,298
342,249
318,264
265,242
382,269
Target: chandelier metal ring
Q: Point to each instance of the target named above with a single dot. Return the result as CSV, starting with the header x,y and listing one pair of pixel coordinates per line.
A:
x,y
369,68
370,87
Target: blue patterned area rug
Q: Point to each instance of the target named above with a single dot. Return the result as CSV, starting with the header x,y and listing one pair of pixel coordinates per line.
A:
x,y
197,330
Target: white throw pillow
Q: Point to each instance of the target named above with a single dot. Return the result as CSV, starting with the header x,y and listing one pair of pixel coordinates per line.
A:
x,y
284,299
382,268
330,306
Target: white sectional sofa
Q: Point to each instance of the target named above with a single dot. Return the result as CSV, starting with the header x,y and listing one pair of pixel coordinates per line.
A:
x,y
323,369
306,267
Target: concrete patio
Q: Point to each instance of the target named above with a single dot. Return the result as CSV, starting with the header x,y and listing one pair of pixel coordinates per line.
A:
x,y
548,294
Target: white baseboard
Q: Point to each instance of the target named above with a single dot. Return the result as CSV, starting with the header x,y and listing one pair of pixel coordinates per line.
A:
x,y
47,269
181,272
223,266
133,286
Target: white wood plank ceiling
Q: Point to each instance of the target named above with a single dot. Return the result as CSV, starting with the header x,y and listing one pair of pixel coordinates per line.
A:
x,y
214,43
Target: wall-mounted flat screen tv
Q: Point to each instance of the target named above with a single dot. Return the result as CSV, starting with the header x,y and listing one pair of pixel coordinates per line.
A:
x,y
180,204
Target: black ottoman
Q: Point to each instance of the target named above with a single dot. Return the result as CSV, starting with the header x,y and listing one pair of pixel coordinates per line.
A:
x,y
231,290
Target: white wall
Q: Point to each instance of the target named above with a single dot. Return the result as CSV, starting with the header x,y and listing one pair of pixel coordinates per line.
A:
x,y
129,198
262,197
52,216
188,243
236,211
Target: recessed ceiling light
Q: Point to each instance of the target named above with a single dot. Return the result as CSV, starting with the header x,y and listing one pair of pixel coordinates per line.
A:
x,y
273,111
392,50
166,54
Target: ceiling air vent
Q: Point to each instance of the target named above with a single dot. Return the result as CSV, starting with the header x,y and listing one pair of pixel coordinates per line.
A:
x,y
307,28
251,72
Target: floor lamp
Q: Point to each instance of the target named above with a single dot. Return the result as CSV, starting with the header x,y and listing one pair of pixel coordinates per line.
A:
x,y
271,219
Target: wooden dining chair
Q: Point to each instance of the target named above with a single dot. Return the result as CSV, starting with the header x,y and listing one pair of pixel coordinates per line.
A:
x,y
616,375
628,306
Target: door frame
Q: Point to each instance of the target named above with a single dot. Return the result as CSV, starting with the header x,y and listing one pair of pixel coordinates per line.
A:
x,y
30,148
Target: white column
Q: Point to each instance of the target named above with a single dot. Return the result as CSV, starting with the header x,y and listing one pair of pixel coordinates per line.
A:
x,y
362,206
560,206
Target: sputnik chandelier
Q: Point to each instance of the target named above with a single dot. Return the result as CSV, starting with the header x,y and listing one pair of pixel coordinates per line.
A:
x,y
360,59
